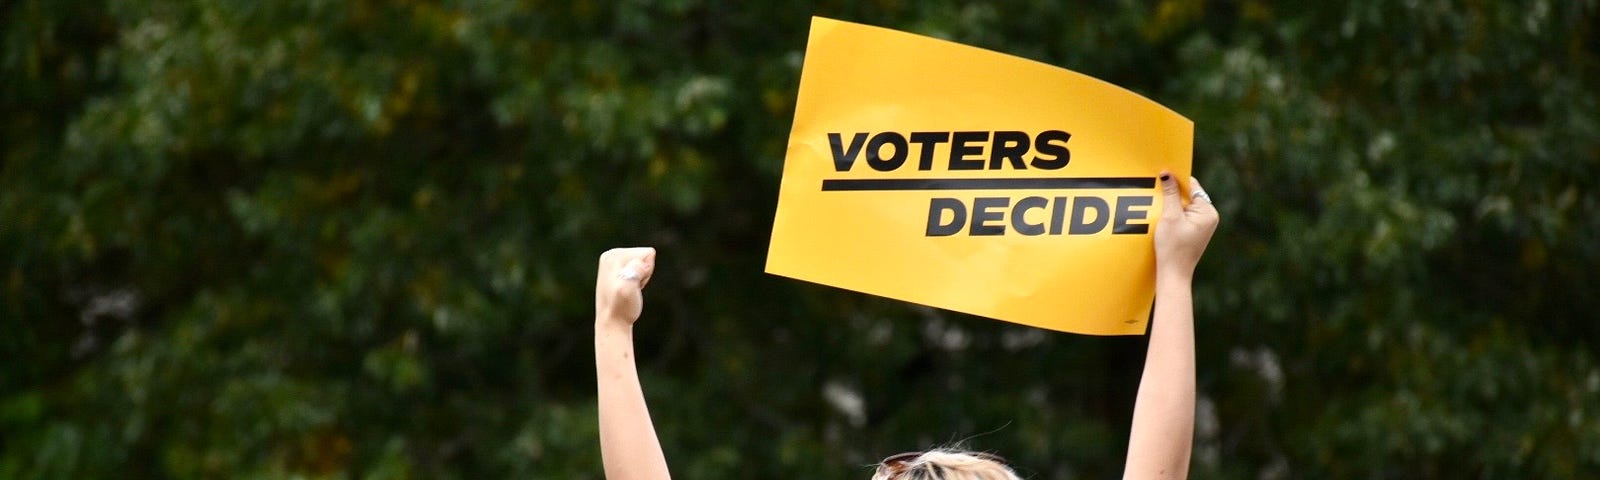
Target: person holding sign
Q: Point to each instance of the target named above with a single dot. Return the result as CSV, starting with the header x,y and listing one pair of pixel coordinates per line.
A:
x,y
1163,414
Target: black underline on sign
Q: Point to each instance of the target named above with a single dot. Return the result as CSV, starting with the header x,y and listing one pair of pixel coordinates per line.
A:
x,y
881,184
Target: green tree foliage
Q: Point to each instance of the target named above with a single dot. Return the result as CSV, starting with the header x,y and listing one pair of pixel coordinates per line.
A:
x,y
314,239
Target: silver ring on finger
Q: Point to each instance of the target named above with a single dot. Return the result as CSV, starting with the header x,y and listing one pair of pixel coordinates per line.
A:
x,y
1200,194
628,274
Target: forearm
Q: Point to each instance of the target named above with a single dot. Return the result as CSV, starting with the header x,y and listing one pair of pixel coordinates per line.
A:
x,y
1163,414
628,445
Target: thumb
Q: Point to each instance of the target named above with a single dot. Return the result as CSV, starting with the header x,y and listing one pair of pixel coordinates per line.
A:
x,y
1172,204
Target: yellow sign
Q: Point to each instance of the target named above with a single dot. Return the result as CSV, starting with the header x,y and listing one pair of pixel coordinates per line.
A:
x,y
960,178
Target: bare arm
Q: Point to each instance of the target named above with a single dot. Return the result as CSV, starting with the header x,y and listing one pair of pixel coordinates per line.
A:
x,y
1163,414
628,445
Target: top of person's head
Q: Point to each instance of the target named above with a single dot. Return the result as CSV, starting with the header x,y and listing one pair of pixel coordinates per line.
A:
x,y
944,464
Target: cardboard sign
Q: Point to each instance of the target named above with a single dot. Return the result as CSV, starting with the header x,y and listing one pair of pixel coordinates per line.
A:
x,y
960,178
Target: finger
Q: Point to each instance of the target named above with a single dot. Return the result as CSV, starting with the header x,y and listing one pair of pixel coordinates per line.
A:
x,y
1201,202
613,260
637,265
1197,194
647,266
1172,203
629,273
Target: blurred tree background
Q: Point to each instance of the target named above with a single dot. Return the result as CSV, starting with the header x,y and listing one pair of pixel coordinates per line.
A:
x,y
330,239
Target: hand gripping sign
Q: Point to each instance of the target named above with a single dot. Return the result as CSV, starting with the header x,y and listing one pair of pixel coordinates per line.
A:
x,y
960,178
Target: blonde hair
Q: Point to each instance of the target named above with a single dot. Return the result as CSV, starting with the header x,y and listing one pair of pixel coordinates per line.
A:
x,y
944,464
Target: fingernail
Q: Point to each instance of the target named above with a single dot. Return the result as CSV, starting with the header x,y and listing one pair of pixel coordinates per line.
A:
x,y
1165,177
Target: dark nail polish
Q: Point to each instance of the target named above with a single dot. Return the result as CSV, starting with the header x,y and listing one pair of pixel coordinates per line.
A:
x,y
1165,177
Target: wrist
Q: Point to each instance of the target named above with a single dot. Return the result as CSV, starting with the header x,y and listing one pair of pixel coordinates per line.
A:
x,y
612,324
1178,277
